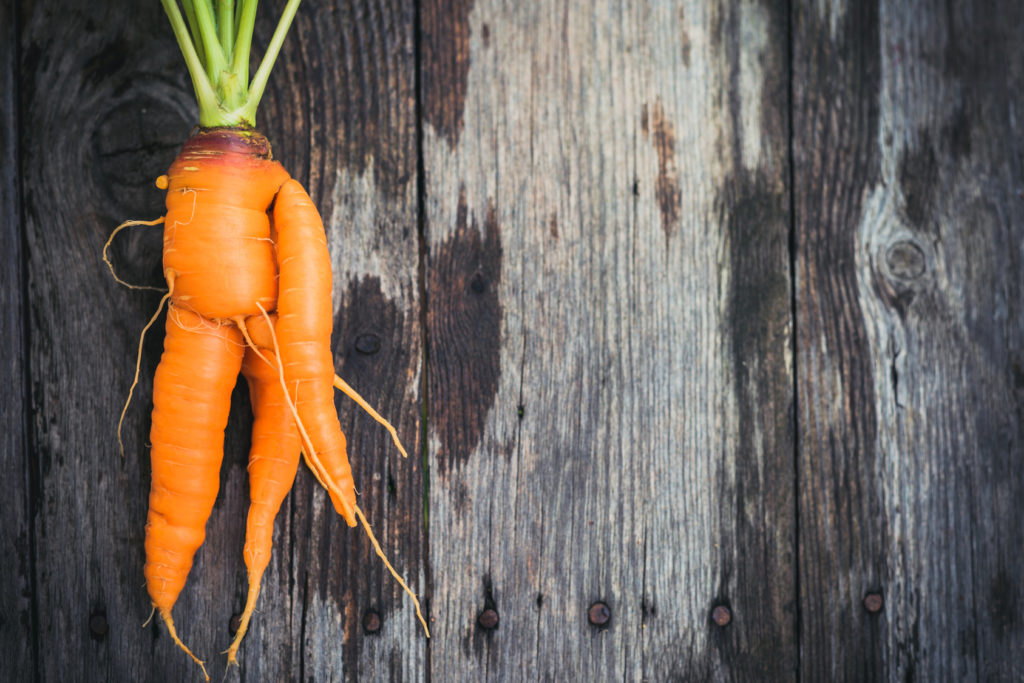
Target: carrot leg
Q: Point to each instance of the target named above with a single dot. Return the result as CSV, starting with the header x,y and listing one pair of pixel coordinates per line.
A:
x,y
273,461
305,317
191,398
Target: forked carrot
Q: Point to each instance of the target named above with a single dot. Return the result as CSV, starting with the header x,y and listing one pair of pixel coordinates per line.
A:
x,y
230,266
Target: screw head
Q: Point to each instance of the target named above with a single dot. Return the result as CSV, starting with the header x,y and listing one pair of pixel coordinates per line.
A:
x,y
371,621
367,344
599,614
721,615
873,602
488,619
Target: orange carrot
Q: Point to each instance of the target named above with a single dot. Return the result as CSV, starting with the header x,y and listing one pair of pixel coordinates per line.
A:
x,y
273,461
191,398
226,262
305,318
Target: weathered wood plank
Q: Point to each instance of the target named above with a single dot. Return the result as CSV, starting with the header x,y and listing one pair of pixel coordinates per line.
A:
x,y
17,619
110,104
102,122
342,109
608,311
909,318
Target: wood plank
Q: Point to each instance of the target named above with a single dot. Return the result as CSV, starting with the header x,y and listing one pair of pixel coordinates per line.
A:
x,y
18,623
342,108
108,90
608,307
908,280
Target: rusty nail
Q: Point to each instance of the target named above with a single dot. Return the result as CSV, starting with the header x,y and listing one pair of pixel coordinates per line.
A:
x,y
367,344
371,622
234,623
599,614
488,619
873,602
98,626
721,615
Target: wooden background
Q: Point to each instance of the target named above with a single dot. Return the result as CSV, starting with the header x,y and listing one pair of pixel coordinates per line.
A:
x,y
679,305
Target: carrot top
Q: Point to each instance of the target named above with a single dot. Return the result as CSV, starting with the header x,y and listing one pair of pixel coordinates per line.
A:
x,y
215,44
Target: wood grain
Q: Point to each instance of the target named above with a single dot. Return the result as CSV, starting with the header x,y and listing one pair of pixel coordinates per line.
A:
x,y
342,107
109,98
609,375
907,174
17,589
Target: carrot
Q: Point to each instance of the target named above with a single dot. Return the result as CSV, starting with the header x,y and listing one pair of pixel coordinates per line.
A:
x,y
305,318
191,398
247,294
273,461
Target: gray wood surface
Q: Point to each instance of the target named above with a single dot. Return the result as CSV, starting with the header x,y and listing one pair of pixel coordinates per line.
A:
x,y
608,317
909,318
17,618
677,306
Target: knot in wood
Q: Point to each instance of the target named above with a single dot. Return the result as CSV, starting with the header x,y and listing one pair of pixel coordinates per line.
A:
x,y
905,260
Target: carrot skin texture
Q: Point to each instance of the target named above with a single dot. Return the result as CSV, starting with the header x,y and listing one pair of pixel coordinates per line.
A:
x,y
273,458
217,236
305,316
191,398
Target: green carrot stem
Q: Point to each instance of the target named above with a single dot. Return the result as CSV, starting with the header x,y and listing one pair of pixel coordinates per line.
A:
x,y
216,42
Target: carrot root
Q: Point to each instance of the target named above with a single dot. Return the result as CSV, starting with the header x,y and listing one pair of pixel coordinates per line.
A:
x,y
138,358
309,453
255,578
345,388
166,615
106,259
395,574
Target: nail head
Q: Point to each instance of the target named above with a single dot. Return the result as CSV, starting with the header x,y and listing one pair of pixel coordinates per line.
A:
x,y
488,619
721,615
873,602
367,344
371,622
98,626
599,614
478,284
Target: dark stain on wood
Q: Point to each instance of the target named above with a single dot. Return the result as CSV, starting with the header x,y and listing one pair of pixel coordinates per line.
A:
x,y
553,228
957,134
366,313
464,326
918,175
444,64
758,312
666,187
1003,598
684,38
